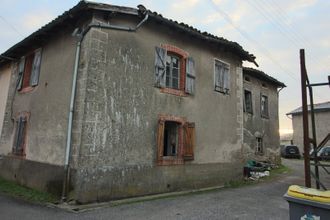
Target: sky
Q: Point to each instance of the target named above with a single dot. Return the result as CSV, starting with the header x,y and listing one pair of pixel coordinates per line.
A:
x,y
273,30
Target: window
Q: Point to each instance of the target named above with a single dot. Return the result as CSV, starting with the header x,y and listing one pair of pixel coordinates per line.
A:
x,y
246,78
174,70
221,77
20,135
28,71
248,101
175,140
259,148
264,106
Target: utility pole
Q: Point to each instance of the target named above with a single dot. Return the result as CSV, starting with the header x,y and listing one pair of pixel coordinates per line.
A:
x,y
305,118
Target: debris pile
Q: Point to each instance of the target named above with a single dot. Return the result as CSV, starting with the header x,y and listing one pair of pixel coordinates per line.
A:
x,y
254,170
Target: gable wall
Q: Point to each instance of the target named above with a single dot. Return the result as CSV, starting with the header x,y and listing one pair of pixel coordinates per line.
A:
x,y
255,125
115,152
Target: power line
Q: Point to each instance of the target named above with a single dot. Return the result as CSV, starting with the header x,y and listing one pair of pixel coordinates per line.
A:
x,y
246,36
11,26
285,30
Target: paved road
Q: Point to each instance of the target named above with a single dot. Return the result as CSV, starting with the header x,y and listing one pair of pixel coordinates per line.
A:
x,y
262,201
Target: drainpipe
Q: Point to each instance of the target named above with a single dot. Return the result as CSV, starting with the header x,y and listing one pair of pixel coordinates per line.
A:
x,y
80,37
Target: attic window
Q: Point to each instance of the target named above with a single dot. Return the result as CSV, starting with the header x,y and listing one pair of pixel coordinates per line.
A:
x,y
246,78
28,71
264,85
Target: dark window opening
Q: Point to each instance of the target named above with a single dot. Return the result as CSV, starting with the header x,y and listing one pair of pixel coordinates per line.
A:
x,y
175,140
171,138
248,101
259,148
247,79
264,106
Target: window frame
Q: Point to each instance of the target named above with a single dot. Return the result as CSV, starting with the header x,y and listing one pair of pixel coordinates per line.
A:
x,y
183,75
251,102
29,67
181,154
20,116
171,67
259,146
222,89
264,113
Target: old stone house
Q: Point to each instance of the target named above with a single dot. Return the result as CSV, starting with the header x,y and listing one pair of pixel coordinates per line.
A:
x,y
322,122
116,102
261,123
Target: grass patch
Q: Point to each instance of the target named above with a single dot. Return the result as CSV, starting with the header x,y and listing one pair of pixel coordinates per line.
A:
x,y
32,195
273,173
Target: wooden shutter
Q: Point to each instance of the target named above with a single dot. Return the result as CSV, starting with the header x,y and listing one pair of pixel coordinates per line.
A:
x,y
35,68
20,136
189,140
190,76
160,139
226,78
160,67
218,76
20,73
27,70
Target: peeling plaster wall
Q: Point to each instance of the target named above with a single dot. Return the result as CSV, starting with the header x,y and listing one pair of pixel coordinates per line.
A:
x,y
47,103
267,127
117,111
5,74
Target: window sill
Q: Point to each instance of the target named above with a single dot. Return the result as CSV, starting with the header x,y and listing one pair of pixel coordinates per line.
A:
x,y
222,91
173,92
23,156
170,160
26,90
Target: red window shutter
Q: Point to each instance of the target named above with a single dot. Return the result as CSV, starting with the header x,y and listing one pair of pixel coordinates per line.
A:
x,y
27,70
189,140
160,139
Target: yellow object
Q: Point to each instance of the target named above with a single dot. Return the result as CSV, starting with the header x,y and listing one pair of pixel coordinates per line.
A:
x,y
309,193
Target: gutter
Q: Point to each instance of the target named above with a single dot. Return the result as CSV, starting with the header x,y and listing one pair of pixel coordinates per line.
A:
x,y
80,36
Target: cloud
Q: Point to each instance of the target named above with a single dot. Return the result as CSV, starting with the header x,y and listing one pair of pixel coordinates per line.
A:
x,y
36,20
184,4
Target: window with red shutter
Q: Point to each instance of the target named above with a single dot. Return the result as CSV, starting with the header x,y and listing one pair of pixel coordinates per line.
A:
x,y
189,140
29,71
175,140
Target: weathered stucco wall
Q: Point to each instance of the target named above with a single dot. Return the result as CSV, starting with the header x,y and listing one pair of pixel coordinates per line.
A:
x,y
117,109
5,73
322,124
48,104
254,124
